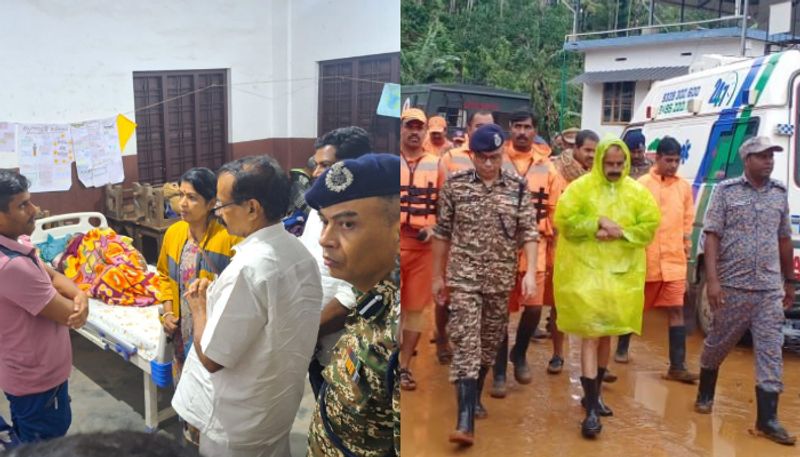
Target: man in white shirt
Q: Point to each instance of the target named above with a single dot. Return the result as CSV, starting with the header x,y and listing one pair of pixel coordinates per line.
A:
x,y
255,325
337,295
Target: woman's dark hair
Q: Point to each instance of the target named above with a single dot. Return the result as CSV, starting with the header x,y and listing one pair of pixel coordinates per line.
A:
x,y
11,184
262,179
203,180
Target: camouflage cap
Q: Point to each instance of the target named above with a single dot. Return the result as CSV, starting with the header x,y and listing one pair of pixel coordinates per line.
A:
x,y
757,144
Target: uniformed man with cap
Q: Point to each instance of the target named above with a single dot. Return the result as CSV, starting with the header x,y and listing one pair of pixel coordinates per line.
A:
x,y
749,279
485,216
358,409
420,180
640,164
568,136
564,140
436,142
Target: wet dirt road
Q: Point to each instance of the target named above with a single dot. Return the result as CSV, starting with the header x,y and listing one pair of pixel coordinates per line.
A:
x,y
652,417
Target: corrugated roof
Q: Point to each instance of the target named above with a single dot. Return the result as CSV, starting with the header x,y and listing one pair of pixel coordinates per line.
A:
x,y
467,89
632,74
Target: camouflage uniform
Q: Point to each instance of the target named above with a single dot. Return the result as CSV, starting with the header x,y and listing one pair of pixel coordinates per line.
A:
x,y
637,171
360,400
485,227
749,222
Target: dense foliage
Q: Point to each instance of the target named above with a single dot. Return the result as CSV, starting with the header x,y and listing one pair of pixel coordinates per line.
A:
x,y
514,44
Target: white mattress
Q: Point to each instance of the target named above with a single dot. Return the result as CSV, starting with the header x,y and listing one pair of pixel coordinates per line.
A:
x,y
137,326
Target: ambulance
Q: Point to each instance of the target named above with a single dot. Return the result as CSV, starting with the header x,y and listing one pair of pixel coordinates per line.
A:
x,y
711,112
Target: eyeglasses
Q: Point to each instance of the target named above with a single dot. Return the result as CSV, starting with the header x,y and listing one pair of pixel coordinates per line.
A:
x,y
488,158
219,205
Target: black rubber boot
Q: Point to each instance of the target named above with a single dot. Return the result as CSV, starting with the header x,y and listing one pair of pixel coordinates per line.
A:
x,y
767,424
623,343
480,411
677,356
500,364
527,325
591,426
602,409
464,434
705,393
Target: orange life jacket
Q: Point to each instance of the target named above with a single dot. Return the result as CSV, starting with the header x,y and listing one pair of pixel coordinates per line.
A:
x,y
455,160
419,191
546,186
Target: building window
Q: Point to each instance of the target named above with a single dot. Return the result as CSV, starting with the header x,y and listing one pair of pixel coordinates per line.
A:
x,y
188,130
349,91
618,102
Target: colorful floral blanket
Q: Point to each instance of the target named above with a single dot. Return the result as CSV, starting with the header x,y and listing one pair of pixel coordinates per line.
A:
x,y
110,269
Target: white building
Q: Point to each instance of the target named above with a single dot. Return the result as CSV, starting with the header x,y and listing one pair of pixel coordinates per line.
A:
x,y
281,72
621,65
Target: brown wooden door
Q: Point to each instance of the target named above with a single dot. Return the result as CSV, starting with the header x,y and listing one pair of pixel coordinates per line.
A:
x,y
349,91
182,122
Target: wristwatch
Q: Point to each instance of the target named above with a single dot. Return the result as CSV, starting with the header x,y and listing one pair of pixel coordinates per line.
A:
x,y
792,281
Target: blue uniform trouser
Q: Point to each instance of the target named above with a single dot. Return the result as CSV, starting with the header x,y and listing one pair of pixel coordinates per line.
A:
x,y
38,417
761,311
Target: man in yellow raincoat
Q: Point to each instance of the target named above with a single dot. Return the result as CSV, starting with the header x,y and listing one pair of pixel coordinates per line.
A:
x,y
604,219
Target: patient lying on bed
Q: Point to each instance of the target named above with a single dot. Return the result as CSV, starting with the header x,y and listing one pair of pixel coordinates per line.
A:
x,y
107,267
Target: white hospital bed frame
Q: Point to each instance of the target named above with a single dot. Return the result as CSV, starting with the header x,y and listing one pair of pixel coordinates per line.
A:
x,y
81,222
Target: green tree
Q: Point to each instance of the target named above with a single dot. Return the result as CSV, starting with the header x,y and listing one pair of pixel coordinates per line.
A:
x,y
510,44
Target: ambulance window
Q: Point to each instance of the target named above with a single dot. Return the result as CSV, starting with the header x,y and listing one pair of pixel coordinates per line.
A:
x,y
743,132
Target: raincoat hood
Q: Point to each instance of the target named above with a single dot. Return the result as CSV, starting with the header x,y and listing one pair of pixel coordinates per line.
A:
x,y
600,153
599,284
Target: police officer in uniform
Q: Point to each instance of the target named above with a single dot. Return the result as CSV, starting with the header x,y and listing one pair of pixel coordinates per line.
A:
x,y
358,409
485,215
749,280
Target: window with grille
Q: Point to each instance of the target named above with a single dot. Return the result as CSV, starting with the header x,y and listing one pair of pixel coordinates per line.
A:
x,y
182,122
349,91
618,102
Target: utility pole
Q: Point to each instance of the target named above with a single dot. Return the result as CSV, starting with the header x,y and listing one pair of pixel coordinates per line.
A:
x,y
744,26
575,11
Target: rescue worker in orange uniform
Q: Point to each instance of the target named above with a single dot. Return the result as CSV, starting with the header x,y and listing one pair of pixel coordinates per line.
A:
x,y
459,159
436,142
420,180
667,255
526,158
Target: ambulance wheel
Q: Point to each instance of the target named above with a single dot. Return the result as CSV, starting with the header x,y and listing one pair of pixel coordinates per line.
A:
x,y
704,314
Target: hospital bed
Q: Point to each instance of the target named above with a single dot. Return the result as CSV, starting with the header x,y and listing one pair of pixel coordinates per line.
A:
x,y
135,333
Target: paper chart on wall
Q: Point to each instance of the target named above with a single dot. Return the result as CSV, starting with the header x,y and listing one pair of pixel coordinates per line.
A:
x,y
8,143
45,156
97,153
